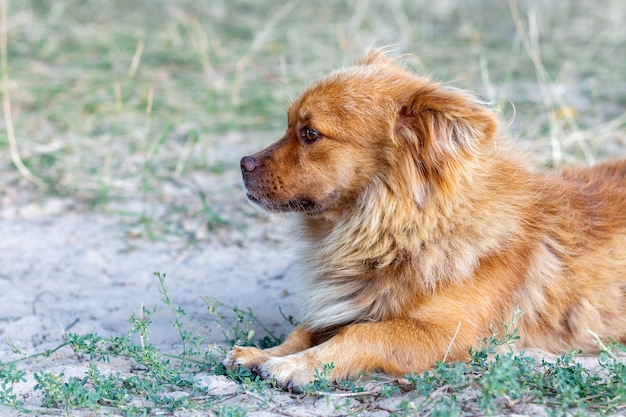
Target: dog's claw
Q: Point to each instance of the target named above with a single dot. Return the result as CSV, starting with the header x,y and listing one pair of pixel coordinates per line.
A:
x,y
255,368
294,389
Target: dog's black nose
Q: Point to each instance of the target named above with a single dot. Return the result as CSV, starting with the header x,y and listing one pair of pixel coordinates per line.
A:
x,y
248,164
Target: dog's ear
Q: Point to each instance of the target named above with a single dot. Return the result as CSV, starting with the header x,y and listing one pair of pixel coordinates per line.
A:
x,y
374,57
444,132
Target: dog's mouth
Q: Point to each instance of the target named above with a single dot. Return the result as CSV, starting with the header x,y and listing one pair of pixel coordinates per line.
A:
x,y
303,204
300,205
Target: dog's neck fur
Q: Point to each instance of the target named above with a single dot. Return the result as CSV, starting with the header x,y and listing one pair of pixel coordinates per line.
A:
x,y
353,256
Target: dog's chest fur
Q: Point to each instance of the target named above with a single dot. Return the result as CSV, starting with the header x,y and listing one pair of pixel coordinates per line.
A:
x,y
376,262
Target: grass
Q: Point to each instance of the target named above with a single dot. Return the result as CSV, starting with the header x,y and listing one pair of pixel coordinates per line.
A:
x,y
493,381
110,100
155,379
143,109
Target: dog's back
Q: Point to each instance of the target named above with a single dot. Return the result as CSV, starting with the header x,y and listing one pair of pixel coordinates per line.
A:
x,y
578,278
607,174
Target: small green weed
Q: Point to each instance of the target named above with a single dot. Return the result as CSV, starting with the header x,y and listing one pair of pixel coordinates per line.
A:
x,y
320,382
242,332
157,380
9,376
497,381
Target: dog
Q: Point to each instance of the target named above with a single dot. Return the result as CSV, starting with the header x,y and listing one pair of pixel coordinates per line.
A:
x,y
424,229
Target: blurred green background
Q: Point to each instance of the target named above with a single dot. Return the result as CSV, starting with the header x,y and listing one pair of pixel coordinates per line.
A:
x,y
129,105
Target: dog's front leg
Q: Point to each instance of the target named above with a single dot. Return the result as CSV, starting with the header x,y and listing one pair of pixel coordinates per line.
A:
x,y
252,357
395,347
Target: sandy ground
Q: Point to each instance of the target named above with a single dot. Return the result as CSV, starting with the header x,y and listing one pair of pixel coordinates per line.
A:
x,y
82,273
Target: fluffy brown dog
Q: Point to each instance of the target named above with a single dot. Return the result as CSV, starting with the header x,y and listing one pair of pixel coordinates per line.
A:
x,y
424,229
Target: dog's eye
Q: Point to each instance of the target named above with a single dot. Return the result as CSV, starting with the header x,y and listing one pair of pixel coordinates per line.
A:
x,y
309,135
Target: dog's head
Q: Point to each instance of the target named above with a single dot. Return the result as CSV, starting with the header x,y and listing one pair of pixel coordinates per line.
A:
x,y
370,123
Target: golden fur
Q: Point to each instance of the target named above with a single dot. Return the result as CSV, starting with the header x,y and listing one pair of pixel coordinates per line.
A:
x,y
424,229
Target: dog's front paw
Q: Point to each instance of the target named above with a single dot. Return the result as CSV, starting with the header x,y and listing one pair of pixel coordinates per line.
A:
x,y
290,373
245,357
